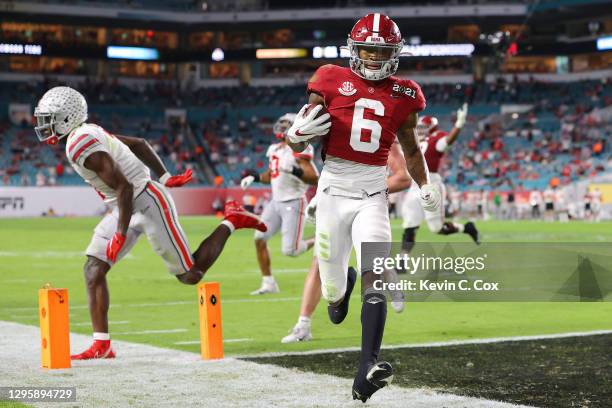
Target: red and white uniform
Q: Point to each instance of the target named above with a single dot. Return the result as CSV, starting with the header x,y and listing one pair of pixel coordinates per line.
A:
x,y
352,200
286,210
285,186
154,210
89,138
433,148
365,117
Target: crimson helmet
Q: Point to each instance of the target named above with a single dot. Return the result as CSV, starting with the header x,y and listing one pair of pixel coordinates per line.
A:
x,y
426,126
379,36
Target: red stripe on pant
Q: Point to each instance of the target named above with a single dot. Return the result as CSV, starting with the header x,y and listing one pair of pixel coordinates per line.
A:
x,y
166,208
299,226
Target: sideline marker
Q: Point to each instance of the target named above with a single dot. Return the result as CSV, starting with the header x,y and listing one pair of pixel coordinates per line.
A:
x,y
211,335
54,327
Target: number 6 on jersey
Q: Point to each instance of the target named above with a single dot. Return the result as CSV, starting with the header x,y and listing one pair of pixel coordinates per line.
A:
x,y
360,123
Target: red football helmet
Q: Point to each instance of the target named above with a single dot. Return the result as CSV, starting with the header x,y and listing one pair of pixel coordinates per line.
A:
x,y
426,126
380,37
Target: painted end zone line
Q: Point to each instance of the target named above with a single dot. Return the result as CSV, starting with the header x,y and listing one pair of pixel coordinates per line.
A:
x,y
436,344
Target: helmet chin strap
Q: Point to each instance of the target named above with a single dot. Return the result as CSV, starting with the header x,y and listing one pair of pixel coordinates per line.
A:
x,y
52,141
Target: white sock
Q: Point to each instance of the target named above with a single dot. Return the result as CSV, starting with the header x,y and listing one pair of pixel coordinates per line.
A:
x,y
101,336
268,280
229,225
304,321
459,227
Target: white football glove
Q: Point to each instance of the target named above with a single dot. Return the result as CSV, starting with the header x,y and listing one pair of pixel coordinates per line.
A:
x,y
461,116
311,210
430,198
246,182
305,128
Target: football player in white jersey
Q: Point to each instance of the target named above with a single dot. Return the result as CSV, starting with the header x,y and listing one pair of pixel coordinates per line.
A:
x,y
398,180
118,168
289,175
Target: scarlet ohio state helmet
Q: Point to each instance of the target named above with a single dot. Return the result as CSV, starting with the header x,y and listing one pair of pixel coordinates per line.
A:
x,y
378,35
426,125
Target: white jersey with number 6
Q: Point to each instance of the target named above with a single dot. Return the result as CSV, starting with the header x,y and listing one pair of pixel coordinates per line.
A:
x,y
286,186
89,138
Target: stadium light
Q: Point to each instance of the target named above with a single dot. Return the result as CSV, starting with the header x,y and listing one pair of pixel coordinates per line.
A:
x,y
325,52
217,55
604,43
272,53
132,53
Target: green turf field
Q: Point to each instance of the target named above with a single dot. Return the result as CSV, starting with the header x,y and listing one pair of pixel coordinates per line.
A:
x,y
144,297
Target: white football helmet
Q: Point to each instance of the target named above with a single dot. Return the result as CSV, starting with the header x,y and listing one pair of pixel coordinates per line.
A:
x,y
60,110
282,125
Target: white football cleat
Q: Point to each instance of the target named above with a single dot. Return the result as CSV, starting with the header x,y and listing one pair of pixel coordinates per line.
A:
x,y
266,288
298,333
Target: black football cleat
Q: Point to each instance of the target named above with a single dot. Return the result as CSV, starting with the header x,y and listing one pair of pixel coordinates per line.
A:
x,y
379,376
338,313
471,230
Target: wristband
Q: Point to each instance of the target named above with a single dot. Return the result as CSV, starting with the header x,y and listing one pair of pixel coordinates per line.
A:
x,y
256,177
297,172
164,177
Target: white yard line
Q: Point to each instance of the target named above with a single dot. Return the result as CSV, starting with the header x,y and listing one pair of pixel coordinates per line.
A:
x,y
190,342
49,254
110,323
253,299
237,340
162,331
143,375
487,340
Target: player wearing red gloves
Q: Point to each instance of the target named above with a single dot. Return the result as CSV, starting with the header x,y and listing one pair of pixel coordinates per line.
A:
x,y
118,167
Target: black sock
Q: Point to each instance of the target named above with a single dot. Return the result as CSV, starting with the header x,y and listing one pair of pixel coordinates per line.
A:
x,y
373,317
448,228
408,238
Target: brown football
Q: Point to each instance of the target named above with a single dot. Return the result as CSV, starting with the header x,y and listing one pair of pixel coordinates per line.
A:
x,y
311,106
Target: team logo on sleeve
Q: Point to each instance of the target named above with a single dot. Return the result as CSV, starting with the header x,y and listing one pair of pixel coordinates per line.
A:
x,y
347,88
